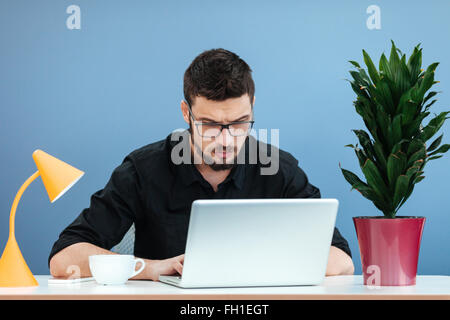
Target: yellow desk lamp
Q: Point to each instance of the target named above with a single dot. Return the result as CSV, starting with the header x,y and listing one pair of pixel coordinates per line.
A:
x,y
58,177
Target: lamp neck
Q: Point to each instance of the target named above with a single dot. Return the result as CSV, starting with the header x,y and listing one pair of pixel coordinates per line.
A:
x,y
12,215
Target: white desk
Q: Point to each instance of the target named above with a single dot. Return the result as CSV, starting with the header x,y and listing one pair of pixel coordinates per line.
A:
x,y
338,287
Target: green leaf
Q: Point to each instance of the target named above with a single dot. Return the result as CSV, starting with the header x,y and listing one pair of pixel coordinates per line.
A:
x,y
356,64
414,63
415,145
364,189
374,179
432,67
428,79
401,189
434,157
418,179
365,142
395,166
357,89
359,80
421,154
371,68
383,120
379,154
430,95
394,61
404,76
384,67
408,193
399,145
413,129
363,75
397,128
419,163
362,157
427,107
407,107
384,97
442,149
367,105
351,177
433,126
369,194
435,143
400,72
413,170
389,137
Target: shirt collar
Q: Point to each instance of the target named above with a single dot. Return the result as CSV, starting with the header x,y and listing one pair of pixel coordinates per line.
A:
x,y
237,174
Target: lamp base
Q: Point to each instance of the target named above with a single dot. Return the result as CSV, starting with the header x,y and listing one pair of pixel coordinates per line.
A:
x,y
14,271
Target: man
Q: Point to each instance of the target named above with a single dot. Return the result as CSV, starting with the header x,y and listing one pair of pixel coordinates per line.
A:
x,y
154,190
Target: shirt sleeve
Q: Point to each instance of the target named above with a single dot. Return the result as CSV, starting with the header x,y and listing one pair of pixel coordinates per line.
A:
x,y
298,186
111,212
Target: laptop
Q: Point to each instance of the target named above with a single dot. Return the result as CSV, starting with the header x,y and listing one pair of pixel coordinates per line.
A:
x,y
257,242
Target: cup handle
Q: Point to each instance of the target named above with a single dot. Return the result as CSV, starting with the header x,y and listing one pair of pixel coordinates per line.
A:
x,y
137,260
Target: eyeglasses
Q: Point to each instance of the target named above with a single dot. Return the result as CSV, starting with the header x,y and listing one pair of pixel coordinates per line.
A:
x,y
213,129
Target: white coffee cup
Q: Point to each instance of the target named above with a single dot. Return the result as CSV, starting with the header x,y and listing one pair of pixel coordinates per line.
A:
x,y
114,269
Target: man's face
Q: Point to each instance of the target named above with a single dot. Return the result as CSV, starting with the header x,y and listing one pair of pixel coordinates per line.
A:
x,y
218,152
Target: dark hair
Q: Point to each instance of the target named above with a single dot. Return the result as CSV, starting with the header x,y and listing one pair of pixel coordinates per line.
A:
x,y
218,74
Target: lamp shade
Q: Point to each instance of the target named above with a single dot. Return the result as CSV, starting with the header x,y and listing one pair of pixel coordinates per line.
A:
x,y
56,175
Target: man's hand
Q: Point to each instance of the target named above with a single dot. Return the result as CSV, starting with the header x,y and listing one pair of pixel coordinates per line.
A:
x,y
166,267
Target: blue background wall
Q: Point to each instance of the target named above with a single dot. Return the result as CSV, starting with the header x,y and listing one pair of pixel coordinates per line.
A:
x,y
91,96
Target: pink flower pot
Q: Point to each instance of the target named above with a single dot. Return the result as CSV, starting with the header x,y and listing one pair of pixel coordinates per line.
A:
x,y
389,249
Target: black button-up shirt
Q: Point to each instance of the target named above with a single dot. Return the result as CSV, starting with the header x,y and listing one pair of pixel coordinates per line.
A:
x,y
151,191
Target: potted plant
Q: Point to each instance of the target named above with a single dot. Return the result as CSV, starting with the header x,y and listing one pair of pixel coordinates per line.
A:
x,y
393,102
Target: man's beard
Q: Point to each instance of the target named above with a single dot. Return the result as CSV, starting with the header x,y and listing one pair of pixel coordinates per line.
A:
x,y
210,161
